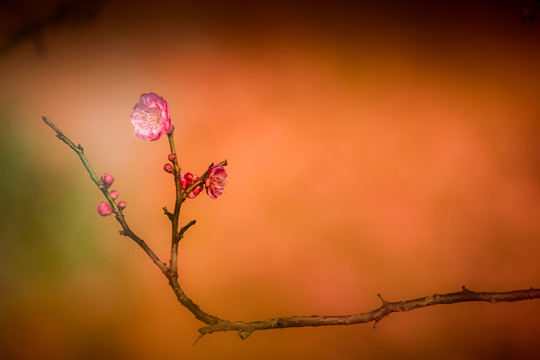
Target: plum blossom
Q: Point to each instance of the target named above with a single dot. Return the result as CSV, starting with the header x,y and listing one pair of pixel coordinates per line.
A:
x,y
122,204
104,208
150,117
216,180
114,194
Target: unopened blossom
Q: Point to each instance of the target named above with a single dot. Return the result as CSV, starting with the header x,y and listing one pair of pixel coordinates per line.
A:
x,y
122,204
172,157
114,194
107,179
216,180
168,168
150,117
104,208
196,191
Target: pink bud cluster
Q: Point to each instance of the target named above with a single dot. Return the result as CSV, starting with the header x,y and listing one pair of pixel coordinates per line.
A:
x,y
188,179
104,208
168,167
214,182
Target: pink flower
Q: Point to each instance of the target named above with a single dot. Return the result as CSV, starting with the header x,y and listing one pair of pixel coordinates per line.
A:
x,y
216,180
107,179
122,204
114,194
150,117
104,208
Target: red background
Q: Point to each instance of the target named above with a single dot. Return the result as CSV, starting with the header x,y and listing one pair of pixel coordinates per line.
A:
x,y
377,148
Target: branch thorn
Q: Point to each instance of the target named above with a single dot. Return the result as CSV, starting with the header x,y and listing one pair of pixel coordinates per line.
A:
x,y
198,338
382,299
168,213
244,334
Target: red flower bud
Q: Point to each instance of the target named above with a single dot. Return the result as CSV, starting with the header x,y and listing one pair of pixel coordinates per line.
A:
x,y
168,168
107,179
122,204
114,194
172,157
104,208
197,190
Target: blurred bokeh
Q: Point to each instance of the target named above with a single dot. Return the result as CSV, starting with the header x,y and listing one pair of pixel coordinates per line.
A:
x,y
383,147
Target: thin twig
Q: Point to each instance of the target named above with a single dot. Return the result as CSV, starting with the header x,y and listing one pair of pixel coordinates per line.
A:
x,y
117,211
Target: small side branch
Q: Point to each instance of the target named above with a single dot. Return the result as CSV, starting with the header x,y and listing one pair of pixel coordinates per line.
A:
x,y
186,227
246,328
117,211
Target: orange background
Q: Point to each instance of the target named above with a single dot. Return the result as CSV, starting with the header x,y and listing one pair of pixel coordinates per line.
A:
x,y
378,148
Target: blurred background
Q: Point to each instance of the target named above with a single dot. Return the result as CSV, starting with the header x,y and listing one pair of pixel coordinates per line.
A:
x,y
382,147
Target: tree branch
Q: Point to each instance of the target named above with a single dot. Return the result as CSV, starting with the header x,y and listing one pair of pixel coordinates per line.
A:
x,y
175,216
171,272
246,328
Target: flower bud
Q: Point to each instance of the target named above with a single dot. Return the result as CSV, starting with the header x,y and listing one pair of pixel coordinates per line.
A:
x,y
197,190
114,194
168,168
107,179
104,208
189,177
172,157
122,204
